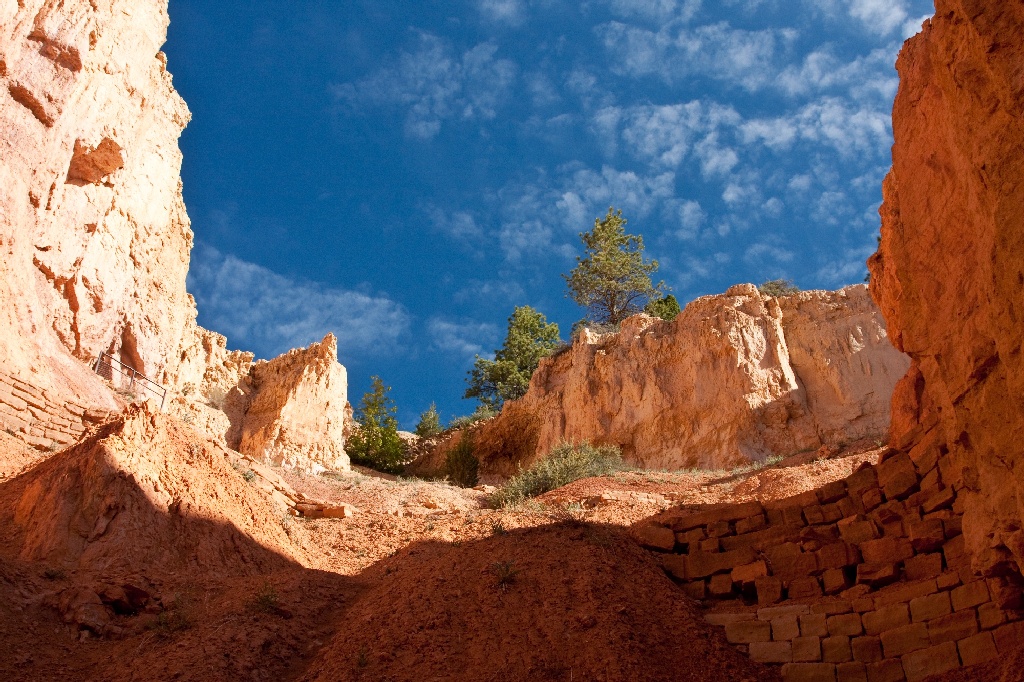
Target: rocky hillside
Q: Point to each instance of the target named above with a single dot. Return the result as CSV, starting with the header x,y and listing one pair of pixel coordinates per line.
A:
x,y
734,378
949,274
96,240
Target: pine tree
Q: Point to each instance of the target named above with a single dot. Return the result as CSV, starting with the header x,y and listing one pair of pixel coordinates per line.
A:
x,y
376,443
430,423
613,280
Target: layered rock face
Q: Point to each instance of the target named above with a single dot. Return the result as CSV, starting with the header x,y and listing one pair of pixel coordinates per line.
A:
x,y
96,240
949,274
93,229
734,378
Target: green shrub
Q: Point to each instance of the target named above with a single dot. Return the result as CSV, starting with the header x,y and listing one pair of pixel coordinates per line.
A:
x,y
666,308
461,465
563,465
479,414
779,287
430,423
376,444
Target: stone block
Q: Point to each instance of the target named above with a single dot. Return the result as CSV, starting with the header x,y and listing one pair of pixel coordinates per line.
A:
x,y
905,639
705,517
785,628
918,665
806,649
690,537
761,539
770,613
800,566
696,590
836,555
705,564
808,672
769,590
923,566
709,545
888,670
804,588
926,536
1008,637
979,648
723,619
831,492
866,649
747,631
834,581
720,586
771,652
835,511
836,649
941,500
930,607
856,529
814,515
746,574
989,616
952,627
904,592
814,624
675,565
750,524
859,481
719,529
1006,593
877,575
848,624
897,477
970,595
953,526
871,499
885,550
781,554
887,618
851,672
655,537
832,607
954,551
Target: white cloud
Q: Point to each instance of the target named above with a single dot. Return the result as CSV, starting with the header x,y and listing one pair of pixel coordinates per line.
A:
x,y
879,16
634,193
691,218
458,225
659,10
762,253
257,308
465,338
433,85
511,12
831,121
717,51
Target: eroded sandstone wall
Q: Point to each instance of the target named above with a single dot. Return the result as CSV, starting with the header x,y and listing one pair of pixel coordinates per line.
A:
x,y
93,229
949,273
734,378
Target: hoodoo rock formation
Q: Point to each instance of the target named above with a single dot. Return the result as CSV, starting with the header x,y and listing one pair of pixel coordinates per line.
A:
x,y
949,273
734,378
96,241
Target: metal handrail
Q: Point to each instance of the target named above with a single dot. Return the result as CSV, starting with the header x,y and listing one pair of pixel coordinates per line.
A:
x,y
134,376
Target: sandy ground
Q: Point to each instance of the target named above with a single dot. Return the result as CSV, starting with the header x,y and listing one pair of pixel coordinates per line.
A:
x,y
423,583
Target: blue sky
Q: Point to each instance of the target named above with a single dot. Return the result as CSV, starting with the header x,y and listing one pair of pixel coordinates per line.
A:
x,y
403,174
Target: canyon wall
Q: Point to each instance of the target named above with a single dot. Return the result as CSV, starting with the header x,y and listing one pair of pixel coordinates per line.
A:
x,y
949,273
95,242
734,378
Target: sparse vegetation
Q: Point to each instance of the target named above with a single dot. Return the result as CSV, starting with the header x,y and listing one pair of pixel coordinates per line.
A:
x,y
572,513
430,423
249,475
498,527
376,443
779,287
265,600
666,307
565,464
530,337
461,464
613,280
176,617
481,413
505,572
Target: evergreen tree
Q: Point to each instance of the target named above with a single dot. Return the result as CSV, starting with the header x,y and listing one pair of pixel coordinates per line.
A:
x,y
613,280
530,337
430,423
376,443
666,307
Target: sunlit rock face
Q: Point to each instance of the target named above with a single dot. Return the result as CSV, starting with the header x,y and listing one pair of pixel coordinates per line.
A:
x,y
734,378
949,273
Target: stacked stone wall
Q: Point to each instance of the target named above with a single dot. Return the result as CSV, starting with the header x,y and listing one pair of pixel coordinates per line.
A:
x,y
866,578
41,419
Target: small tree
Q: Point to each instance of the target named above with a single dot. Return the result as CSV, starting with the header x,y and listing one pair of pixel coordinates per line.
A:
x,y
666,307
461,464
430,423
779,287
530,337
376,443
613,280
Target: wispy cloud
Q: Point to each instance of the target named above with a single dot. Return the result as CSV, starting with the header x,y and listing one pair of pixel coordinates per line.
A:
x,y
257,308
510,12
434,84
461,337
